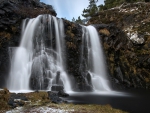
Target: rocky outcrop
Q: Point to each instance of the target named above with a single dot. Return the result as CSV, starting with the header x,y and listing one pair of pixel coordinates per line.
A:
x,y
55,97
12,13
74,40
73,43
16,100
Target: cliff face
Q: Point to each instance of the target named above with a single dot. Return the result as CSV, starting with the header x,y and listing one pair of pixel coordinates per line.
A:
x,y
12,12
124,32
126,41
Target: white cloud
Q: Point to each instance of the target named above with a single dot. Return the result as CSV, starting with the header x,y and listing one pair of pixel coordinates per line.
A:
x,y
69,8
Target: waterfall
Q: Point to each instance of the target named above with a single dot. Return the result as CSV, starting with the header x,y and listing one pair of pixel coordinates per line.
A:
x,y
38,63
92,60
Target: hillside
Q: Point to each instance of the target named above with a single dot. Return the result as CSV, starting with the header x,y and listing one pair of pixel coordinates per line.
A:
x,y
126,41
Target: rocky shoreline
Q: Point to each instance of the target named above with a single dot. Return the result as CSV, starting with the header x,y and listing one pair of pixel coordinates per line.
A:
x,y
46,101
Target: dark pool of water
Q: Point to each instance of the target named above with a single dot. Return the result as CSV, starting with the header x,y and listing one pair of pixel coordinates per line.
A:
x,y
133,101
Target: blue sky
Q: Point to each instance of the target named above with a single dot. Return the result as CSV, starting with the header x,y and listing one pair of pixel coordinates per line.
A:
x,y
69,8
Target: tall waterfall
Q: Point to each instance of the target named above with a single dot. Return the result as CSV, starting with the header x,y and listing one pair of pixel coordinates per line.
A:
x,y
93,61
39,63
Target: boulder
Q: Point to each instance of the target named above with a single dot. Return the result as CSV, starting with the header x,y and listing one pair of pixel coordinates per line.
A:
x,y
16,100
55,98
62,93
89,79
57,87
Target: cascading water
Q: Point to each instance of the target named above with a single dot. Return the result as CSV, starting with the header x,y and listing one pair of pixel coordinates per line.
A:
x,y
92,60
39,63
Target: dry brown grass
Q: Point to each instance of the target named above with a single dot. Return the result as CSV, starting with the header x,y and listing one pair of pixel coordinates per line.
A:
x,y
4,96
104,31
71,45
72,108
40,97
5,35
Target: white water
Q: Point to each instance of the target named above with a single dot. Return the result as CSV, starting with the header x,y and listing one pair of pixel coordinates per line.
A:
x,y
35,63
95,60
33,59
22,59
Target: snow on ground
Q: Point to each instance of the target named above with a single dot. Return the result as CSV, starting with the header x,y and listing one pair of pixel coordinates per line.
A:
x,y
133,35
40,110
135,38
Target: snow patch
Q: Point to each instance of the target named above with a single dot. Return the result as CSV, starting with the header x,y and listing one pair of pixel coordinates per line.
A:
x,y
41,110
50,110
16,110
135,38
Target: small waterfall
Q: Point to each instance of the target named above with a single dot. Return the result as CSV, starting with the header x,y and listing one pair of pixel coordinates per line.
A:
x,y
39,63
92,60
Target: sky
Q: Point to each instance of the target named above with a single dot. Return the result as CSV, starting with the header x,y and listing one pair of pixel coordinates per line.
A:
x,y
69,8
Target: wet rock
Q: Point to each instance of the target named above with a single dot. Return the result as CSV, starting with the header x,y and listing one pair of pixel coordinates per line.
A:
x,y
5,21
84,87
57,80
119,74
2,12
62,93
89,79
58,77
57,88
55,98
16,100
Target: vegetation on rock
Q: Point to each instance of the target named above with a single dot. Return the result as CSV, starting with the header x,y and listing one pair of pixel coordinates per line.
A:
x,y
4,97
113,3
126,42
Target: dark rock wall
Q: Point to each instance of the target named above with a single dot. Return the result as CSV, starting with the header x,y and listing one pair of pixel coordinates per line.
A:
x,y
128,63
73,51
